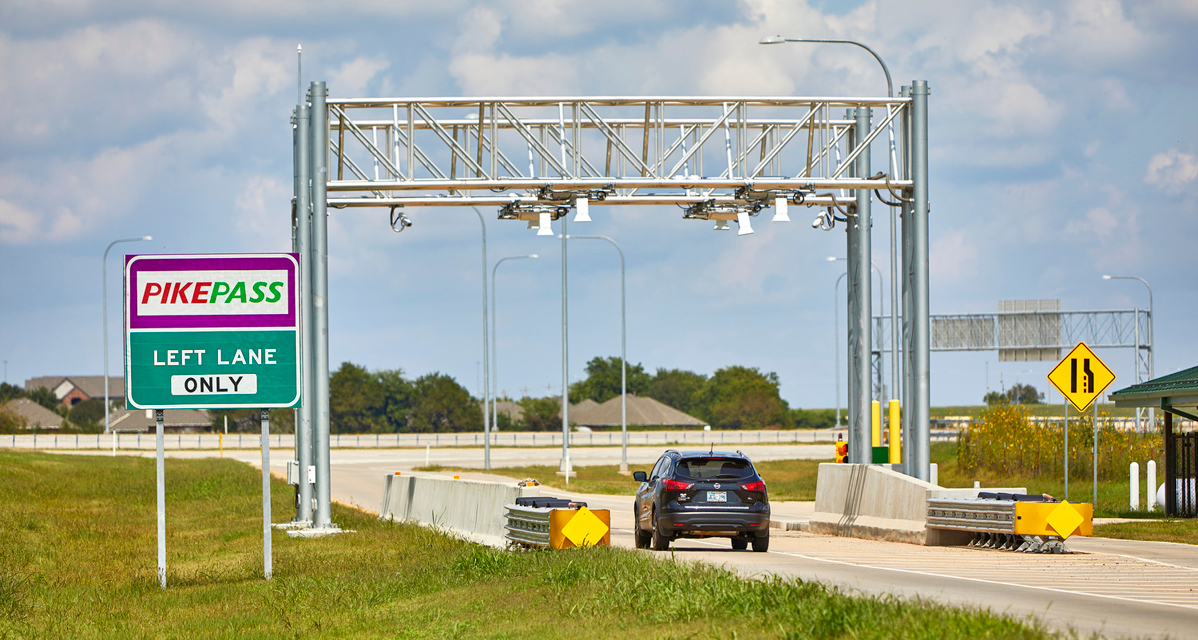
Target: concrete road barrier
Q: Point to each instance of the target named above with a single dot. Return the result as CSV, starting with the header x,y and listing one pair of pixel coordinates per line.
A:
x,y
473,509
877,503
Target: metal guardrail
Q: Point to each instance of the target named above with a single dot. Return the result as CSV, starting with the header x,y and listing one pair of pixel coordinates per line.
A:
x,y
996,516
1010,525
528,526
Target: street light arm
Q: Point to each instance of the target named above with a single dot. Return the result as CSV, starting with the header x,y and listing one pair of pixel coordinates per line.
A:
x,y
885,70
104,310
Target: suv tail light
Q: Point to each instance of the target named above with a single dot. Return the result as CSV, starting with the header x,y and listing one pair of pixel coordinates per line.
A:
x,y
753,486
675,485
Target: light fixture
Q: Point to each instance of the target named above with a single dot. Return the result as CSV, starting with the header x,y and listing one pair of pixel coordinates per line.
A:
x,y
543,228
818,222
721,225
742,222
533,255
781,208
832,258
582,206
1106,277
772,40
147,238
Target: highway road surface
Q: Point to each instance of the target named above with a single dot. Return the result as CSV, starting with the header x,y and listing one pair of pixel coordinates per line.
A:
x,y
1113,587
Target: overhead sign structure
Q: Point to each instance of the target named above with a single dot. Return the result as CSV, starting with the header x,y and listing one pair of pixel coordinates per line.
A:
x,y
1081,377
212,331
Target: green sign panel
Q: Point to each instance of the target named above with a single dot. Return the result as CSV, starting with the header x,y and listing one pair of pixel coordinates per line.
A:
x,y
213,331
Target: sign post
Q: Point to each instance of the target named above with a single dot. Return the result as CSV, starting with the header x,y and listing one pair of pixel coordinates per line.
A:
x,y
1081,377
212,332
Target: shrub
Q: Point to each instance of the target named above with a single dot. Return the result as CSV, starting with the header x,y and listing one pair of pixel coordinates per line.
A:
x,y
1006,442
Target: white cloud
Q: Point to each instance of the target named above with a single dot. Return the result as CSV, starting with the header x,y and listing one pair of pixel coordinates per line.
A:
x,y
1172,170
353,76
18,225
263,208
953,258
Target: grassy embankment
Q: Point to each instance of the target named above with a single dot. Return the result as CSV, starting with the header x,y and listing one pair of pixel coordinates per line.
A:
x,y
77,560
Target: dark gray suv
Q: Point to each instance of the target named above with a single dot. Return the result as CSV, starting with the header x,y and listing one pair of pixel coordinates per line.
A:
x,y
702,494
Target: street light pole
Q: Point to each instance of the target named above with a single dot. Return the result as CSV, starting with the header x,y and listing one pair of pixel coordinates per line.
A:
x,y
836,338
894,358
486,374
104,307
494,363
1151,342
881,305
623,354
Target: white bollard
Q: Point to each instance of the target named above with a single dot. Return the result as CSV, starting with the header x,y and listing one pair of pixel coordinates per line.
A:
x,y
1151,485
427,450
1134,476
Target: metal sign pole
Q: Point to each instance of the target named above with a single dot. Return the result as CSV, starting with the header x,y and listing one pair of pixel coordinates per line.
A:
x,y
160,472
1066,449
266,528
1095,454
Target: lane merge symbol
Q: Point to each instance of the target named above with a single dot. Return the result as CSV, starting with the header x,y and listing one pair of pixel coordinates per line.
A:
x,y
1081,376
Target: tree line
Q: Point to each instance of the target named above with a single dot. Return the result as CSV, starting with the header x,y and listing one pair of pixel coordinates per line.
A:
x,y
85,416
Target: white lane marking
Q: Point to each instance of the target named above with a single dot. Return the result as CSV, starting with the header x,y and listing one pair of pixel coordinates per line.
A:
x,y
998,582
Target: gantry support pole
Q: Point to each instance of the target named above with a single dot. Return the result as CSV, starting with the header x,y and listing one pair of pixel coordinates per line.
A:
x,y
921,329
907,304
859,252
303,426
320,288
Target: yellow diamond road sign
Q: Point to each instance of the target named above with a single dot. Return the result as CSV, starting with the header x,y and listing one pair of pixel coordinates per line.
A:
x,y
1065,520
585,529
1081,377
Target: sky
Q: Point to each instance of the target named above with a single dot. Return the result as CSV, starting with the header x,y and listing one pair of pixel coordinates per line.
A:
x,y
1061,135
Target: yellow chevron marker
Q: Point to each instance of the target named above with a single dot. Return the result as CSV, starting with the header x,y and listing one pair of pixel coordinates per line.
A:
x,y
585,529
1064,520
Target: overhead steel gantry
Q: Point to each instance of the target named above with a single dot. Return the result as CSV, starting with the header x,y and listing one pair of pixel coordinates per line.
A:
x,y
721,159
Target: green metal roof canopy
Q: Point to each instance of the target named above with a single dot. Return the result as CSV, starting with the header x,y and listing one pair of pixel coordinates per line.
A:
x,y
1169,393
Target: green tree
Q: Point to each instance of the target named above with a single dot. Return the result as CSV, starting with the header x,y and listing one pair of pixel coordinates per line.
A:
x,y
742,398
993,397
676,388
1024,394
813,418
603,380
46,398
541,414
355,400
397,401
86,414
441,404
10,392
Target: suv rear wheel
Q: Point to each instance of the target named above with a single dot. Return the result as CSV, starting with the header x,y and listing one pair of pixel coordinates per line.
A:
x,y
660,542
761,544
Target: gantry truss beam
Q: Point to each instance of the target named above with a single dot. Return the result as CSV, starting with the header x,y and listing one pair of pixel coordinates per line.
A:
x,y
1035,330
613,150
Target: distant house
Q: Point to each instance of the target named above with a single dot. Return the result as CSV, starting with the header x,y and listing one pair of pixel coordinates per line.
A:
x,y
71,390
641,412
173,421
34,415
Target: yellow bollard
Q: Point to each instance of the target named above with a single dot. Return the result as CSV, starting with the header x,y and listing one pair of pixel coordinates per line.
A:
x,y
896,431
222,445
877,423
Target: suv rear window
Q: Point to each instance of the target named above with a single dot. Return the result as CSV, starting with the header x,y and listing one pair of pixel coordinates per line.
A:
x,y
710,468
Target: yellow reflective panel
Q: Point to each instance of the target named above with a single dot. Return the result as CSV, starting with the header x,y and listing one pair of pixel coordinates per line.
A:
x,y
585,529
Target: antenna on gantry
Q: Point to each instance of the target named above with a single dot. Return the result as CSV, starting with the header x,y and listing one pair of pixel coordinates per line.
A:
x,y
299,74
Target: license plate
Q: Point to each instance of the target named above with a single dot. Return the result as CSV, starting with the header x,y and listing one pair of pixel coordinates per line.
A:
x,y
717,496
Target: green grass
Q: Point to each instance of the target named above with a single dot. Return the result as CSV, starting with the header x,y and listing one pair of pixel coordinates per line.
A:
x,y
786,479
1170,530
77,560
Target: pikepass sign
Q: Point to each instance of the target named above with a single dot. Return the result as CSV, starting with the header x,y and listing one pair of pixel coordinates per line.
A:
x,y
212,331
